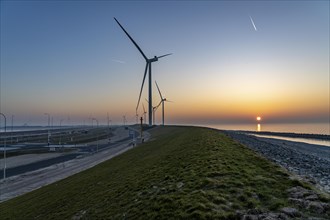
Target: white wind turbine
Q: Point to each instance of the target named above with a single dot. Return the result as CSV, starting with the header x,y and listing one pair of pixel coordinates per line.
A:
x,y
144,113
154,109
162,101
148,66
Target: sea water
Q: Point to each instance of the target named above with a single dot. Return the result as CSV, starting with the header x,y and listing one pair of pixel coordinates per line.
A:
x,y
303,140
302,128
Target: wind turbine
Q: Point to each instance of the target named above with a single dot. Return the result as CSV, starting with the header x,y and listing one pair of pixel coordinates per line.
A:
x,y
144,113
148,67
162,101
124,119
154,109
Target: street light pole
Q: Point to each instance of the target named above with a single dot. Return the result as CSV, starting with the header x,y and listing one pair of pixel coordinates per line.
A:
x,y
48,129
12,128
124,119
108,119
4,148
52,122
97,135
61,131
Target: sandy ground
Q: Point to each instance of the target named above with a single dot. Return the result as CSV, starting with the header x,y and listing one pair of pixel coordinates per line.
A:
x,y
18,185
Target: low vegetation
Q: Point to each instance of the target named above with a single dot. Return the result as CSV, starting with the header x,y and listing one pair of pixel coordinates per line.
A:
x,y
183,172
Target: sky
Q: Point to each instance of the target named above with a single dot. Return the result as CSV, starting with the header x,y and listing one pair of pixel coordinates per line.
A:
x,y
231,61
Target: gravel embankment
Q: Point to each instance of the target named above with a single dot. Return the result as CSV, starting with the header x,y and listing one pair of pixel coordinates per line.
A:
x,y
308,161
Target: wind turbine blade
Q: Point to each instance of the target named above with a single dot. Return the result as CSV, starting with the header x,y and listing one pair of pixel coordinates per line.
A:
x,y
164,55
144,110
147,101
144,77
158,105
159,91
168,101
137,46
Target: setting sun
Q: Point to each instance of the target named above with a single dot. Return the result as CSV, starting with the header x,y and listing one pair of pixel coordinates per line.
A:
x,y
258,118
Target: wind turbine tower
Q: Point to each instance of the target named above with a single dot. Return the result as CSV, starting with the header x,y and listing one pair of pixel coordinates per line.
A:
x,y
144,113
148,67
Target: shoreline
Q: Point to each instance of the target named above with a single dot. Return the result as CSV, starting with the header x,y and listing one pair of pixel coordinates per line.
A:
x,y
316,136
291,135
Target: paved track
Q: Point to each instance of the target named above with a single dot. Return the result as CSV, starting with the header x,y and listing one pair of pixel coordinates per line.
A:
x,y
28,181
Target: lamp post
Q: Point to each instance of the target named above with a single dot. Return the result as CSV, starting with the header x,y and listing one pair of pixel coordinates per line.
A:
x,y
52,122
141,127
4,149
124,119
12,128
48,129
61,131
97,135
108,120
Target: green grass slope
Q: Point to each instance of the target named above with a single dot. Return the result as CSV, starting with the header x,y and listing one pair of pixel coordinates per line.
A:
x,y
184,172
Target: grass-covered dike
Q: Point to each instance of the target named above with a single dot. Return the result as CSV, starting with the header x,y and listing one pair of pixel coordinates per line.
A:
x,y
183,172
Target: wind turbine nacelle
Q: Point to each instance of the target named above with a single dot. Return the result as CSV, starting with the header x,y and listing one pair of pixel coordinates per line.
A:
x,y
153,59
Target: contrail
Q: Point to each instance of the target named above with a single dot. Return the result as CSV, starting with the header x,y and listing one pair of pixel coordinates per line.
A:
x,y
118,61
255,28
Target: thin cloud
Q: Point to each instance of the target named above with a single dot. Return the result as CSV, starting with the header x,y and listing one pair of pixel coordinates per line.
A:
x,y
118,61
254,26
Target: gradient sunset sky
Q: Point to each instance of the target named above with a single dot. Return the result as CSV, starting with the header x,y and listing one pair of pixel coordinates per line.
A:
x,y
70,59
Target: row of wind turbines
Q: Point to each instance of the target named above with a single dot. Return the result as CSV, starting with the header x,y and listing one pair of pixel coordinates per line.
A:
x,y
149,61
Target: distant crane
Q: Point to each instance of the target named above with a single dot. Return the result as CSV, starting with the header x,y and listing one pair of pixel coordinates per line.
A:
x,y
148,66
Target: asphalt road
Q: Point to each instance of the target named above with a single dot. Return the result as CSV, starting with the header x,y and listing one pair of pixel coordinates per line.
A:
x,y
25,182
38,165
48,162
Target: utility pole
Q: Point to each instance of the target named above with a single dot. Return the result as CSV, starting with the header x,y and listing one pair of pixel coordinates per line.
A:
x,y
4,148
97,134
12,128
108,120
141,120
48,130
60,131
124,119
